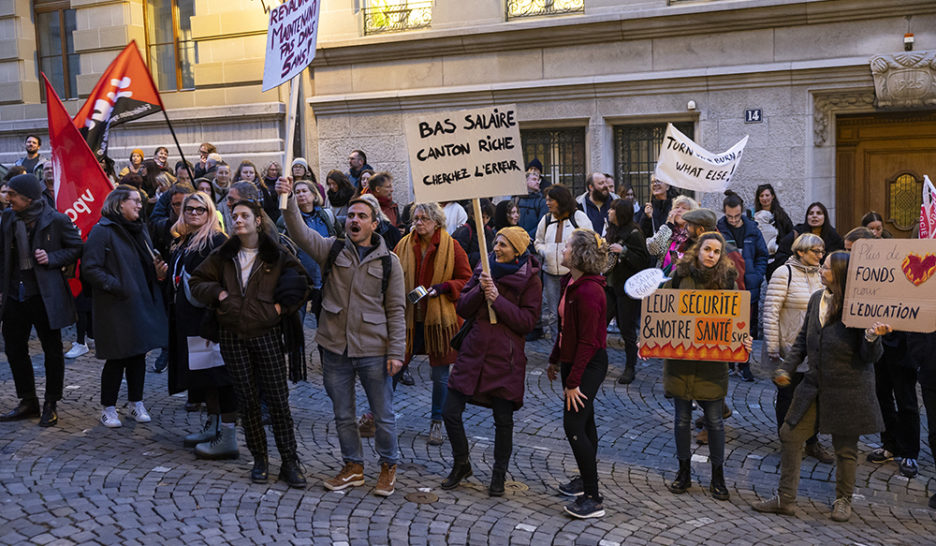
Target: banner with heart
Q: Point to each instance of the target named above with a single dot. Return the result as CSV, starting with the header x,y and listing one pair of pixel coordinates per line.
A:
x,y
888,282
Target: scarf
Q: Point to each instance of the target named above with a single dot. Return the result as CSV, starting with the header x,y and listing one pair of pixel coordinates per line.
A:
x,y
134,231
341,197
677,247
21,223
441,321
499,269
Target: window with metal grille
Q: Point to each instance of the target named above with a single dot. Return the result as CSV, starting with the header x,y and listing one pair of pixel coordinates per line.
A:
x,y
904,197
382,16
562,153
636,149
170,50
537,8
55,23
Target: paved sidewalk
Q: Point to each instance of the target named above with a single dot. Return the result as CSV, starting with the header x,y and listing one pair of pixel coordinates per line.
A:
x,y
79,482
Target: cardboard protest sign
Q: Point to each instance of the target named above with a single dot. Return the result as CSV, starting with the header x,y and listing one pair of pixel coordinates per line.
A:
x,y
291,36
466,154
685,164
892,281
695,325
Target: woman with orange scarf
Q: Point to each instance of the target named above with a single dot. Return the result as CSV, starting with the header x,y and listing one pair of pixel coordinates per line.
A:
x,y
433,260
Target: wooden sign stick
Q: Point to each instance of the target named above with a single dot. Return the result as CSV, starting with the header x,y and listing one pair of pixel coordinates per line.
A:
x,y
482,246
290,136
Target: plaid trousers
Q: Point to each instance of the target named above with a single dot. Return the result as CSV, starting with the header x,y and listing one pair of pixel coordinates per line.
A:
x,y
254,364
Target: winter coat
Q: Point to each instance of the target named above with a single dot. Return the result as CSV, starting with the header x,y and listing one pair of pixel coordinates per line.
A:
x,y
185,319
598,217
840,378
492,361
582,324
425,269
785,303
545,241
833,241
128,312
632,259
694,379
57,235
754,251
661,210
248,311
532,207
467,237
357,316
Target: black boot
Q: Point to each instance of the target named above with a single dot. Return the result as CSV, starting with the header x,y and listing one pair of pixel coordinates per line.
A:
x,y
627,377
497,484
683,479
261,469
460,471
28,407
291,473
49,415
718,488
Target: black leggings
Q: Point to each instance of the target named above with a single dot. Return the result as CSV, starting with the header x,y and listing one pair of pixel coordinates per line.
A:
x,y
580,425
627,312
503,428
113,373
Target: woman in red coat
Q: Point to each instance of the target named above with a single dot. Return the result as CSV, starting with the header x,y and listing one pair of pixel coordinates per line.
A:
x,y
432,259
580,355
491,366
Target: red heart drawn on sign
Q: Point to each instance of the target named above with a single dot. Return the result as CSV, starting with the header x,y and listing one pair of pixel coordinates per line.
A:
x,y
919,268
741,325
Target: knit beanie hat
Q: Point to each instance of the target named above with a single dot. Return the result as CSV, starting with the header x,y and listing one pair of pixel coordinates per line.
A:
x,y
26,185
535,164
300,161
517,236
138,151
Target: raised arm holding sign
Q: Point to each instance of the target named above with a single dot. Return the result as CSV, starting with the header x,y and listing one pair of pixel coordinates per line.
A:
x,y
466,154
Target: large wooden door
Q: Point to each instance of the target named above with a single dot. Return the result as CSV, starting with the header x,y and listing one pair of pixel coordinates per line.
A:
x,y
880,163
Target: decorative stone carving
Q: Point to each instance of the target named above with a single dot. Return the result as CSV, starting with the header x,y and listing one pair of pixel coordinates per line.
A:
x,y
905,80
826,105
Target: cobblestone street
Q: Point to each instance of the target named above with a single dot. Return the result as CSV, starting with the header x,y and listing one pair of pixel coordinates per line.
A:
x,y
80,482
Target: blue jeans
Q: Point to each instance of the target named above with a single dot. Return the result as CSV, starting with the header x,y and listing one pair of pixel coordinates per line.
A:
x,y
338,373
716,429
552,293
439,375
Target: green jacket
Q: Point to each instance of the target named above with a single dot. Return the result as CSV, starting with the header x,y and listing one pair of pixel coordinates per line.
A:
x,y
694,379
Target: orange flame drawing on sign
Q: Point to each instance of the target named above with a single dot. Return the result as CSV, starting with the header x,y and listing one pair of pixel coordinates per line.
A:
x,y
707,352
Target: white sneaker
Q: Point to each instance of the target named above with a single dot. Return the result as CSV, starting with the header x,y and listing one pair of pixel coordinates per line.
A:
x,y
139,413
77,349
109,417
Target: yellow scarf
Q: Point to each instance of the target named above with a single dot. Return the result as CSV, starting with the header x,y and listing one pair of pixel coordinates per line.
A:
x,y
441,321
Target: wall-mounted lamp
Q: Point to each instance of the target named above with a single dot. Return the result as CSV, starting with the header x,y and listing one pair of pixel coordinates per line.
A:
x,y
691,105
908,41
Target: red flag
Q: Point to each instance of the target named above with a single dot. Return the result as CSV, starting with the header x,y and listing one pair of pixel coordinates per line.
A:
x,y
80,183
125,92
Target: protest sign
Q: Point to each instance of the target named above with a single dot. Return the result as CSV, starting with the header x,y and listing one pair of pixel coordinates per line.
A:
x,y
695,325
685,164
642,284
291,38
892,281
466,154
928,210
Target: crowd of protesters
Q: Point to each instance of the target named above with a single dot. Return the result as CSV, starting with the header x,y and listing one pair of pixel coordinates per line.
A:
x,y
198,262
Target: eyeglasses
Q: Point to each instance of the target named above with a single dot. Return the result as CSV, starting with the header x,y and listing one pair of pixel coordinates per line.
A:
x,y
818,251
420,219
197,211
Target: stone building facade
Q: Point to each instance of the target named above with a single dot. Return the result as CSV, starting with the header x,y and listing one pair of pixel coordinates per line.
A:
x,y
836,109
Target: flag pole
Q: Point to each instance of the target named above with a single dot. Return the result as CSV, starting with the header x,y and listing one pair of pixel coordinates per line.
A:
x,y
178,147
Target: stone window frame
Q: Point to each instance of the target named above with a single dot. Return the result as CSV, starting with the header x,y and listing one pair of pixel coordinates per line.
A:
x,y
68,87
178,43
563,152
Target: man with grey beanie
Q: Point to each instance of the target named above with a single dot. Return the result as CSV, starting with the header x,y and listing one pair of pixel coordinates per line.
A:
x,y
37,244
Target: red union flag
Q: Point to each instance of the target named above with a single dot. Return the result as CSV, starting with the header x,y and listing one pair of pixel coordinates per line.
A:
x,y
80,182
125,92
928,210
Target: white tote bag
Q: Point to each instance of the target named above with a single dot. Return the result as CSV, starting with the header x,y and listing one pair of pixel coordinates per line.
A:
x,y
203,354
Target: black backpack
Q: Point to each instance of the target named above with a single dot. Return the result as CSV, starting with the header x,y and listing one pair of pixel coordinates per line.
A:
x,y
333,252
